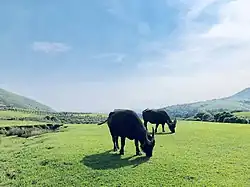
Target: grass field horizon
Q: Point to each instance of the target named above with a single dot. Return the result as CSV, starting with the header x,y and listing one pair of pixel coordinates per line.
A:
x,y
199,154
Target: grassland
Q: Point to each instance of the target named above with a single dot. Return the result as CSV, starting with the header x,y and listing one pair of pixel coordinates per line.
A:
x,y
243,114
199,154
17,123
9,113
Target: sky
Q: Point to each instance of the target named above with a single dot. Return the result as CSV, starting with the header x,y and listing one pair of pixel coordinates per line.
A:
x,y
94,56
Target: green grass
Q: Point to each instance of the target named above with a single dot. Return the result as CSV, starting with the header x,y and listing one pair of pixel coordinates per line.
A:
x,y
199,154
8,113
243,114
16,123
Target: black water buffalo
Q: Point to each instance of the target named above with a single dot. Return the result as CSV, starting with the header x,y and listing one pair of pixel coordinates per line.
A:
x,y
127,124
158,116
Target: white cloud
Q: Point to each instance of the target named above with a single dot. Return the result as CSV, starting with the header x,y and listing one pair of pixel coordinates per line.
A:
x,y
211,61
208,62
50,47
221,47
197,6
234,23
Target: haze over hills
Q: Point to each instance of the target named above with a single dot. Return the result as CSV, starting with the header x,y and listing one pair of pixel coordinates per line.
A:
x,y
239,101
14,100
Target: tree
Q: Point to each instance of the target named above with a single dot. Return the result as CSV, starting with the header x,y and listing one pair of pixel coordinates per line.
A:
x,y
207,117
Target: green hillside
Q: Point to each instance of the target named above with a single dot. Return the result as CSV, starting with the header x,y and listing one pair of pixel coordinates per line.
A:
x,y
237,102
9,99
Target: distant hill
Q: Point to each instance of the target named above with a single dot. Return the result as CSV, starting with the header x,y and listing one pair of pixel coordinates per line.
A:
x,y
237,102
8,99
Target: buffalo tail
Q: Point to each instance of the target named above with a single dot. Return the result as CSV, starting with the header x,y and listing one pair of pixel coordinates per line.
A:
x,y
102,122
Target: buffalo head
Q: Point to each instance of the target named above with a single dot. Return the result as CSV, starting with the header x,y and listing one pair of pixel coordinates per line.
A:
x,y
149,143
172,126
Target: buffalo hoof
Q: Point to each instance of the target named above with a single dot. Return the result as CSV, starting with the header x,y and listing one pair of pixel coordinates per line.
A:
x,y
138,154
121,153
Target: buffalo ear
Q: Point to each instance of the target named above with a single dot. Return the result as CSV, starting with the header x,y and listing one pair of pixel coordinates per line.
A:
x,y
147,140
174,122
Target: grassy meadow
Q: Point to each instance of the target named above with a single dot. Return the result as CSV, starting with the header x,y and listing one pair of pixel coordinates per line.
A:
x,y
242,114
9,113
6,123
199,154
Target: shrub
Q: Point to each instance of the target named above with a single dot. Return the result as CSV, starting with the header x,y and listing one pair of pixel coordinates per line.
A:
x,y
27,131
228,120
3,131
15,131
235,119
219,117
199,115
32,132
207,117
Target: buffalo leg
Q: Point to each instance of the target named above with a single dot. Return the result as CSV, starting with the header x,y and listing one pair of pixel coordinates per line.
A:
x,y
145,125
156,128
137,147
114,142
122,145
163,130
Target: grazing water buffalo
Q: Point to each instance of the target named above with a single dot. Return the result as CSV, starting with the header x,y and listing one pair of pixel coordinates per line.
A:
x,y
158,116
127,124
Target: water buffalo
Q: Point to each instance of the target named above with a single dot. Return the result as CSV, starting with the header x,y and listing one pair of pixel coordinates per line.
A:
x,y
158,116
127,124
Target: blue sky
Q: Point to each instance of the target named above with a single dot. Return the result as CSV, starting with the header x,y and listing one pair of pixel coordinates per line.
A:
x,y
99,55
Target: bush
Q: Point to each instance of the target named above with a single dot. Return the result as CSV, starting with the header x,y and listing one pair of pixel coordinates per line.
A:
x,y
207,117
15,131
32,132
199,115
28,131
3,131
235,119
229,119
219,117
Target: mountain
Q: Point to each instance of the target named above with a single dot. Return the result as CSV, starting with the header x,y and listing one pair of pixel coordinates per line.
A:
x,y
242,95
237,102
14,100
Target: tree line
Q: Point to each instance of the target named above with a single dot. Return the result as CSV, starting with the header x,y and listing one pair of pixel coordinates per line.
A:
x,y
222,117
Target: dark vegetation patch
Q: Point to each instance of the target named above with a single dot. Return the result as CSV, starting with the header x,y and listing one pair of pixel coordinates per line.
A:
x,y
54,163
28,130
44,162
56,117
12,174
189,177
221,117
50,147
